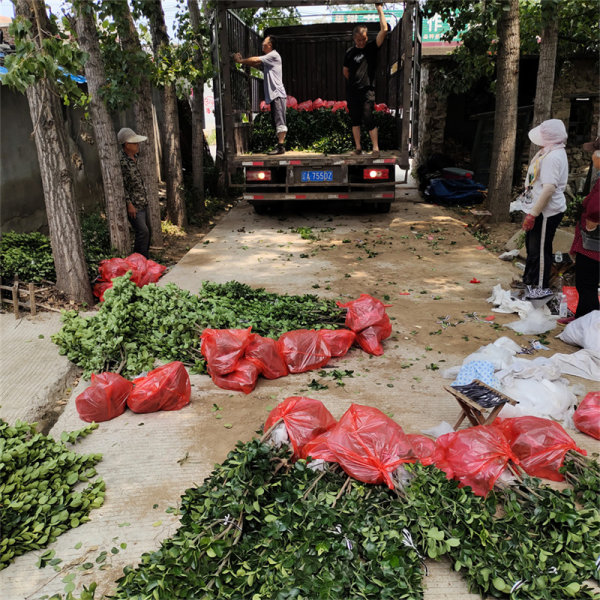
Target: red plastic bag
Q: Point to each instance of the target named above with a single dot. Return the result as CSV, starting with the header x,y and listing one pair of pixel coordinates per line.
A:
x,y
243,379
307,106
304,419
364,312
475,456
369,445
370,338
423,448
264,353
100,288
155,271
587,415
164,388
303,350
540,444
223,348
105,399
264,107
318,448
138,267
337,340
329,103
318,103
382,108
113,267
291,102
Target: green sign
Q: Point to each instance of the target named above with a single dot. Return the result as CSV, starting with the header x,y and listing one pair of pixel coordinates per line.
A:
x,y
432,32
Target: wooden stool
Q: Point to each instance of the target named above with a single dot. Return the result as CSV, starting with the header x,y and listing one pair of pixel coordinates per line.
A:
x,y
481,218
491,400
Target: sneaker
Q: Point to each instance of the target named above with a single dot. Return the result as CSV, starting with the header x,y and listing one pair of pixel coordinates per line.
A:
x,y
375,154
358,151
565,320
277,150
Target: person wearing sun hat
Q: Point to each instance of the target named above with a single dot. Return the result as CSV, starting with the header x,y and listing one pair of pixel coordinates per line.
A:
x,y
586,245
547,177
135,191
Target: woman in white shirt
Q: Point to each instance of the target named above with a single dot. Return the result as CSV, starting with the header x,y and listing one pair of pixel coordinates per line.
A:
x,y
547,176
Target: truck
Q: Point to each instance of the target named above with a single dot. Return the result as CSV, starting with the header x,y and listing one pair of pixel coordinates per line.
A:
x,y
312,57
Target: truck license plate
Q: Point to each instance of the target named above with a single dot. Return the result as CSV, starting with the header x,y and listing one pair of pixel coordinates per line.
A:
x,y
317,176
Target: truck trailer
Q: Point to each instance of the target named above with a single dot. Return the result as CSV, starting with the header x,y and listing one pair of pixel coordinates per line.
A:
x,y
312,57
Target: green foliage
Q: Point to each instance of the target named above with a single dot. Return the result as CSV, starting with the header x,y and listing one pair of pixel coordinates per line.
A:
x,y
38,500
251,531
135,326
573,212
476,23
320,131
262,19
27,256
52,58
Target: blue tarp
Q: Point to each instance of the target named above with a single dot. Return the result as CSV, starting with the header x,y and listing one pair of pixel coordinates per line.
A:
x,y
76,78
455,191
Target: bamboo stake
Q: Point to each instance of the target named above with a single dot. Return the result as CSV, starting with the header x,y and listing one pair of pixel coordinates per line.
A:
x,y
32,299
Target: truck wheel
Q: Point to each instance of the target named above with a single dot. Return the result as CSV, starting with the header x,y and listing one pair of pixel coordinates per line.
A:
x,y
382,207
261,208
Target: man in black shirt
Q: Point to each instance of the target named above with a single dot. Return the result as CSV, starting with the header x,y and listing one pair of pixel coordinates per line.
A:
x,y
360,64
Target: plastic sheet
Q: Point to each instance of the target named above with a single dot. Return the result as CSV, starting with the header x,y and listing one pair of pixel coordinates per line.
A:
x,y
105,399
545,398
587,415
223,348
368,445
364,312
242,379
303,350
338,340
535,322
540,444
264,353
475,457
500,353
304,419
318,448
505,302
370,338
164,388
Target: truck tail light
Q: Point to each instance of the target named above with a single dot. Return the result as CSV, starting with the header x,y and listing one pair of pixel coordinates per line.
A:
x,y
376,173
258,175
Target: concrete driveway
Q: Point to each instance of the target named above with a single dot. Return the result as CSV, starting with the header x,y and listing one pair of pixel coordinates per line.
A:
x,y
419,258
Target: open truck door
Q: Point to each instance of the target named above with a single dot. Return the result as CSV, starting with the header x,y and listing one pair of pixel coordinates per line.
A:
x,y
312,57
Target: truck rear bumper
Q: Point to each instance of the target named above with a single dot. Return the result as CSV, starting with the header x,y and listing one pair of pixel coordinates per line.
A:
x,y
364,197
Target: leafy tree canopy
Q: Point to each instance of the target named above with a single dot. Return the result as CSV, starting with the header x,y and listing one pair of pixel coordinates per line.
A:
x,y
269,17
475,22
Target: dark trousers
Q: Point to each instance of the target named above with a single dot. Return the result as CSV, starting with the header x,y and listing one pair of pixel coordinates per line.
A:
x,y
141,228
539,245
587,276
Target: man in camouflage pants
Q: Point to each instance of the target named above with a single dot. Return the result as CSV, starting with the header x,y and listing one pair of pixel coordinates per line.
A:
x,y
135,192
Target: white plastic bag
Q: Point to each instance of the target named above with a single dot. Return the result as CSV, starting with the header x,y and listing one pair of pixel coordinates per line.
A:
x,y
500,353
546,399
584,332
505,303
536,321
441,429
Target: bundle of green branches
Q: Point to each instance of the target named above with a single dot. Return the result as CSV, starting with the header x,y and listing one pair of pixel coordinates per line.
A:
x,y
260,527
38,499
135,326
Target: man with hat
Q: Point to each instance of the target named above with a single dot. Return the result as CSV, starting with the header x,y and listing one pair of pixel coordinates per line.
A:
x,y
135,192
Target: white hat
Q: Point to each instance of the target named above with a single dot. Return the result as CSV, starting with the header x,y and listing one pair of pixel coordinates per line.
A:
x,y
548,133
127,135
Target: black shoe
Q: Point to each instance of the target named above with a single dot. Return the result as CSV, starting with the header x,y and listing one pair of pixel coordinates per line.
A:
x,y
280,149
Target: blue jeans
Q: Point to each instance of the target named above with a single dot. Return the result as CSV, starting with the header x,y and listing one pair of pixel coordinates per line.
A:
x,y
141,227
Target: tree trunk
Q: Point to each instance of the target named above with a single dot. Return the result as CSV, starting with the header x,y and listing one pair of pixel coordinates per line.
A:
x,y
505,118
108,150
176,212
197,113
542,108
144,123
57,179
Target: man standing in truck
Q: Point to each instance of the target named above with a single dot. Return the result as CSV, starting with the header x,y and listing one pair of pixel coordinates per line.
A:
x,y
275,94
360,65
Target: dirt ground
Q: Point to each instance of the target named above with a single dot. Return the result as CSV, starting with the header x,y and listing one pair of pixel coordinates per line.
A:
x,y
420,259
